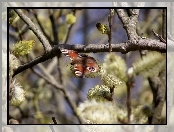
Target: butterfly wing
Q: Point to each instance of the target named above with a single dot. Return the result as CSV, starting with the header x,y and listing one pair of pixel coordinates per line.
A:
x,y
79,70
91,65
70,53
82,64
76,58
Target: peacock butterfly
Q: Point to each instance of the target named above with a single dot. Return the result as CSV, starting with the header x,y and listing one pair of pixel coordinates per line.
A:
x,y
83,65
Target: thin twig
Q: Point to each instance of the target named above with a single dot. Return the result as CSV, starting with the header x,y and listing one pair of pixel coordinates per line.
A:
x,y
52,82
159,36
60,76
110,46
23,30
128,102
54,27
110,30
19,33
40,25
146,26
130,84
70,27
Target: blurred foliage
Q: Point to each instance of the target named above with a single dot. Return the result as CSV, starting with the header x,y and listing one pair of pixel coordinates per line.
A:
x,y
115,65
22,47
150,65
106,112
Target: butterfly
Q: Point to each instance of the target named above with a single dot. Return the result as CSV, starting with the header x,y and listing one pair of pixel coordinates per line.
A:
x,y
102,28
82,65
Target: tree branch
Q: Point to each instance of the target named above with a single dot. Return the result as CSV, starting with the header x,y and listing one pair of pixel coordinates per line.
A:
x,y
40,25
34,62
159,36
158,98
36,31
143,44
51,81
69,28
129,23
110,32
54,27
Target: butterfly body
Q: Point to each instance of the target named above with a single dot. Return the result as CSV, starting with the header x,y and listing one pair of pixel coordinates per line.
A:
x,y
83,65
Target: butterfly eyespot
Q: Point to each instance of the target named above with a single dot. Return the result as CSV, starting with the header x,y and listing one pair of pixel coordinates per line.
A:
x,y
92,69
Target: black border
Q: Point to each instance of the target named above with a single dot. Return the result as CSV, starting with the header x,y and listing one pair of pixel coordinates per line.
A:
x,y
75,8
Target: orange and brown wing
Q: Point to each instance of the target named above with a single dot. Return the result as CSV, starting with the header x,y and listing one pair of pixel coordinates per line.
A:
x,y
91,64
82,64
70,53
79,70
